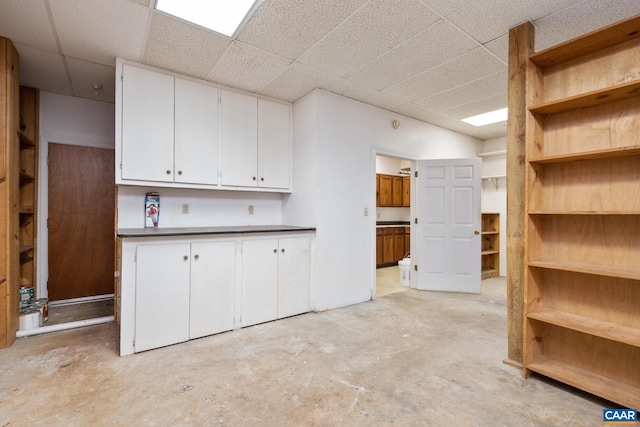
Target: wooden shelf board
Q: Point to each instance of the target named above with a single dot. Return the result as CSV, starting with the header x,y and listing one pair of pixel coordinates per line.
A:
x,y
491,252
25,248
589,99
492,153
615,391
490,232
633,150
26,178
25,141
588,269
583,212
606,330
487,274
589,43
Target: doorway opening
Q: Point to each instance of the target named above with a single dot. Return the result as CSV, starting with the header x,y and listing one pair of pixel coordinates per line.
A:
x,y
393,230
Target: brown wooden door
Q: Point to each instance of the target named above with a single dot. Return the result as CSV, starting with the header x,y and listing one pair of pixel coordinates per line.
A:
x,y
406,191
81,215
386,198
398,243
387,245
397,191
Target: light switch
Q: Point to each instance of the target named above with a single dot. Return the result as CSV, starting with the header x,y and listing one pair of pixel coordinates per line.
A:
x,y
185,208
251,209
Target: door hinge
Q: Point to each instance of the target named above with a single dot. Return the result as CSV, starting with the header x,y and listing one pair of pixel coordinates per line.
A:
x,y
120,165
415,267
416,174
415,221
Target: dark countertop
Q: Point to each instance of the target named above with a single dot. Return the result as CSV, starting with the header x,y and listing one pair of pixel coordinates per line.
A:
x,y
193,231
392,223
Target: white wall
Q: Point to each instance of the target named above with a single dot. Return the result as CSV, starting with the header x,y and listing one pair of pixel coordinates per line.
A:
x,y
336,140
495,199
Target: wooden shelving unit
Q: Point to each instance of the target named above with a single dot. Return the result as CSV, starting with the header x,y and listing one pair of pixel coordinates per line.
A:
x,y
10,180
582,250
490,245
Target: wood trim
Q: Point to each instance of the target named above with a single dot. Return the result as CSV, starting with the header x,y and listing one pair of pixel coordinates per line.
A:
x,y
521,42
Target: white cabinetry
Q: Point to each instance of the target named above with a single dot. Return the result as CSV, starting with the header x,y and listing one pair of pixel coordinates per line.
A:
x,y
161,295
183,291
196,133
212,288
255,142
275,279
147,125
238,139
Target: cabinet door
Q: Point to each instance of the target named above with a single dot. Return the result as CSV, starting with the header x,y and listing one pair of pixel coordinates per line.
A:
x,y
406,191
196,133
238,139
386,198
407,240
293,276
379,246
259,281
396,188
389,253
147,125
274,144
398,243
212,288
162,295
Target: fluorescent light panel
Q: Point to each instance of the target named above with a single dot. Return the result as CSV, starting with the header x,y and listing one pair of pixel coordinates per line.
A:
x,y
222,16
487,118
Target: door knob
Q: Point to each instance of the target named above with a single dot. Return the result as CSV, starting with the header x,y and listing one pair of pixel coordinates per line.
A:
x,y
186,257
476,232
196,256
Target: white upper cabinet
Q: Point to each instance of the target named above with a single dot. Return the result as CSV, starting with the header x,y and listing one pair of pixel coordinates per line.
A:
x,y
274,144
238,139
147,125
196,133
177,132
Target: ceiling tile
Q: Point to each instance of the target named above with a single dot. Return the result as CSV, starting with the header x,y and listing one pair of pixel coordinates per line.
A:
x,y
297,81
471,66
178,46
439,43
384,100
553,29
86,29
84,74
446,7
38,33
480,106
43,70
476,90
248,68
373,30
500,47
417,112
347,88
288,28
504,15
142,2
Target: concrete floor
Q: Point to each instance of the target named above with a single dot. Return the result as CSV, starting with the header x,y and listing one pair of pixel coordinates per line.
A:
x,y
407,359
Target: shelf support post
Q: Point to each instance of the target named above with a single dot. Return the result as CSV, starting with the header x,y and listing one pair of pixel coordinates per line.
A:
x,y
521,42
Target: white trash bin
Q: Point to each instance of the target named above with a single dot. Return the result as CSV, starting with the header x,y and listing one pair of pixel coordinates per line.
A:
x,y
405,271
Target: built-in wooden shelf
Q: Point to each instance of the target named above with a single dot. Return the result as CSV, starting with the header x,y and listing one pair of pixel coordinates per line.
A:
x,y
606,330
608,153
490,232
490,252
589,43
593,98
588,269
617,391
26,178
25,248
25,141
492,153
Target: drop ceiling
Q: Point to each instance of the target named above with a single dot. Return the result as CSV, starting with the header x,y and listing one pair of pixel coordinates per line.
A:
x,y
435,60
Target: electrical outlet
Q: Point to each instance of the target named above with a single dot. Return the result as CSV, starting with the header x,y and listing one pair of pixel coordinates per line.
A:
x,y
251,209
185,208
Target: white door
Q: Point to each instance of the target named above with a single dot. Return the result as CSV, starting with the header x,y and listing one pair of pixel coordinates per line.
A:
x,y
293,276
448,228
259,281
196,133
213,269
147,125
274,144
238,139
162,295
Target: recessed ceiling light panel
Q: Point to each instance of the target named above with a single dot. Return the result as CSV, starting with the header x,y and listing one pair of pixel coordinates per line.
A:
x,y
487,118
222,16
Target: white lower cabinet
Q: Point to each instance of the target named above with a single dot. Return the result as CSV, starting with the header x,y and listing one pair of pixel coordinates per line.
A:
x,y
212,288
175,289
161,295
275,279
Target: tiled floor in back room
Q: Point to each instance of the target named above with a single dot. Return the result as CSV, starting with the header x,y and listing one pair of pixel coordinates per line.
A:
x,y
388,281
